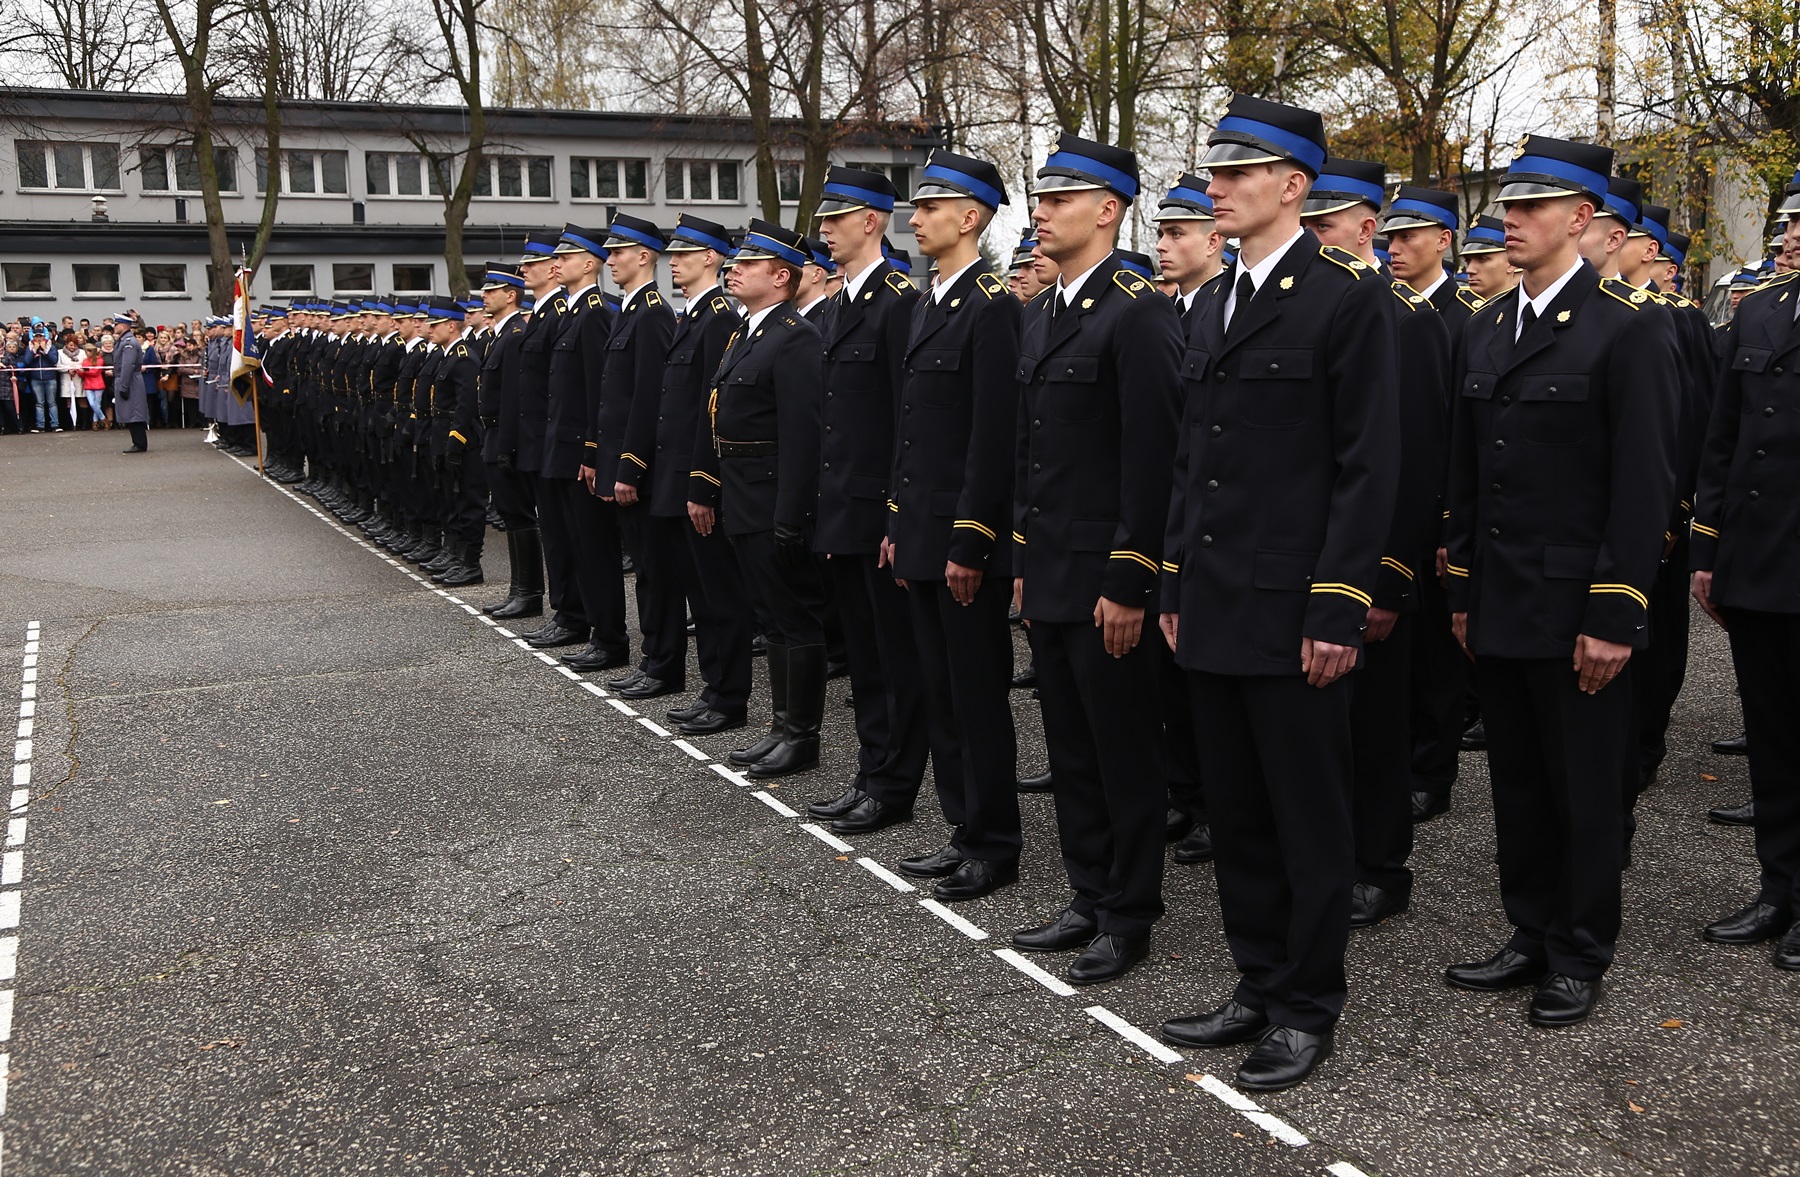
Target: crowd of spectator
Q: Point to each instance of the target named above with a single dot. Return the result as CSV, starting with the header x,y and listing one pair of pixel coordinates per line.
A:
x,y
59,377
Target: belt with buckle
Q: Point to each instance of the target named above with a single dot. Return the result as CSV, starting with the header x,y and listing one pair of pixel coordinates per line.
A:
x,y
744,449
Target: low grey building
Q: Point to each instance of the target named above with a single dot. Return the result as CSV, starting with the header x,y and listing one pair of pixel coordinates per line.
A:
x,y
100,204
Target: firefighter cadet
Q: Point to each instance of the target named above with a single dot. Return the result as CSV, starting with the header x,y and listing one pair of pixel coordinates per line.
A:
x,y
1484,260
948,532
511,494
462,491
1560,481
1279,522
1097,363
567,621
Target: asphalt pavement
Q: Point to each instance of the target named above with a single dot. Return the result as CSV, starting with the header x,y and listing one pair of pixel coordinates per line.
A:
x,y
320,873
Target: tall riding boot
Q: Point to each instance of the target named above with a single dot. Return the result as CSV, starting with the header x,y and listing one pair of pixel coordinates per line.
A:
x,y
512,584
525,545
806,708
778,697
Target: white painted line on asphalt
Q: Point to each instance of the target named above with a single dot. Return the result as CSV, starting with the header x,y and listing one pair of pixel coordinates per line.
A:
x,y
456,600
9,957
1344,1169
30,660
471,611
826,836
659,732
885,875
22,750
769,800
1228,1095
1278,1128
593,689
546,659
21,775
522,643
15,832
31,646
507,633
5,1068
621,707
29,675
696,753
6,1006
27,710
950,917
1036,972
25,729
1132,1034
567,673
9,908
12,868
20,798
28,691
1275,1126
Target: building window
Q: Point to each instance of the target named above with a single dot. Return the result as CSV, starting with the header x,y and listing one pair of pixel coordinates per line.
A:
x,y
291,279
513,177
406,174
414,279
308,173
25,277
96,279
163,278
701,181
68,167
177,168
609,179
899,173
353,278
787,180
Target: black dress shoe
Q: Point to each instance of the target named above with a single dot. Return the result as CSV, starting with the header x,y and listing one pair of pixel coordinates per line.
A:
x,y
594,658
524,605
1035,784
1563,1001
1196,846
1370,904
976,878
869,815
1733,815
1284,1058
836,670
1069,929
553,635
626,680
1758,922
1231,1023
683,714
1025,679
650,688
842,804
937,864
759,645
133,450
710,721
1108,957
1736,746
1505,969
1475,739
747,756
1176,824
1426,806
1787,953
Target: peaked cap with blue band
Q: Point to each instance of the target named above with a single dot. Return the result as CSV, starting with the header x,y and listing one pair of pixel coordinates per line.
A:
x,y
765,239
1675,249
693,234
443,310
821,254
501,276
627,232
1187,201
1624,195
849,190
1486,235
1255,130
1138,263
1345,183
900,259
540,245
1790,199
947,174
575,239
378,306
1546,168
1421,208
1082,165
1653,221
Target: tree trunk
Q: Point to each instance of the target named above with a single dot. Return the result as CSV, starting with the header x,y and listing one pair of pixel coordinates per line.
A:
x,y
1605,67
768,192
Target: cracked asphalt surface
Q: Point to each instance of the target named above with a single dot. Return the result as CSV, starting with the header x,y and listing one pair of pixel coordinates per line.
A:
x,y
322,877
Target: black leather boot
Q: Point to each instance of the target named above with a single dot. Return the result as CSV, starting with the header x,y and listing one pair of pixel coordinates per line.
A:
x,y
512,583
799,750
466,570
778,698
525,549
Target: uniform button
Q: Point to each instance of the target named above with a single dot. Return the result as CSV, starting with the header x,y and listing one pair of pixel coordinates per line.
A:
x,y
1553,390
1760,454
1506,400
1495,488
906,444
1219,375
1754,495
906,408
1034,510
1217,429
828,429
1037,423
906,482
1037,468
1499,443
1212,484
828,465
1206,541
1769,412
1071,371
1274,368
660,420
1475,387
1494,531
1778,371
829,395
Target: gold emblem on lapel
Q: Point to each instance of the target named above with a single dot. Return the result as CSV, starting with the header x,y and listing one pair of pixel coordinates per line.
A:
x,y
1499,317
1784,295
759,332
1639,296
1562,316
1287,283
955,302
1086,303
868,294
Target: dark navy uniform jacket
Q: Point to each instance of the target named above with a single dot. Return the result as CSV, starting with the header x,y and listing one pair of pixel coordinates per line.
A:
x,y
454,421
953,453
1746,529
499,392
1288,466
534,378
1561,469
576,355
765,391
863,341
1421,378
1096,440
682,427
622,406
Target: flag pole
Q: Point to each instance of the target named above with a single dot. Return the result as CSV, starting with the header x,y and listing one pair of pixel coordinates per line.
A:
x,y
255,384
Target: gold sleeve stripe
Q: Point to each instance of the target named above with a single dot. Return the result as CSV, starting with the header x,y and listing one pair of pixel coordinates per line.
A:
x,y
972,525
1168,567
1017,538
893,506
1446,514
1138,557
703,474
1623,590
592,445
1397,566
459,437
1345,590
1453,570
1686,506
642,465
1703,529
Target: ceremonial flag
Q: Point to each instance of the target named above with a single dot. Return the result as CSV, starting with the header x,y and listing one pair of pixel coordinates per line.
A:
x,y
245,361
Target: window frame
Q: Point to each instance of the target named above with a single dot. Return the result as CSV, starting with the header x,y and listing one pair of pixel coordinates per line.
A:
x,y
144,285
686,164
170,172
430,169
287,192
491,165
49,291
348,291
394,274
282,291
593,163
118,284
46,147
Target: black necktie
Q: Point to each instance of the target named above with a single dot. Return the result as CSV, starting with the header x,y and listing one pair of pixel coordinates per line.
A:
x,y
1526,321
1246,290
1057,305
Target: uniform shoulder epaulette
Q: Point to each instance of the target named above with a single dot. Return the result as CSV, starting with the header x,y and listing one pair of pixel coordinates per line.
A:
x,y
719,305
989,285
1344,259
897,283
790,318
1406,294
559,304
1678,300
594,298
652,299
1469,298
1771,283
1626,293
461,350
1130,283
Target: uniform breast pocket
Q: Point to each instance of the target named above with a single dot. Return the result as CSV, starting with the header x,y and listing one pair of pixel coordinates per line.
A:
x,y
619,342
1071,388
940,393
852,353
1196,365
1277,389
534,345
683,355
1751,359
1478,385
1554,409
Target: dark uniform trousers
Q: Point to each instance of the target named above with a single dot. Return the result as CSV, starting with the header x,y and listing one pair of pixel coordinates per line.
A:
x,y
1765,648
1553,749
788,600
1382,806
464,499
513,495
661,608
556,529
1182,760
884,680
1657,673
1440,701
598,570
707,571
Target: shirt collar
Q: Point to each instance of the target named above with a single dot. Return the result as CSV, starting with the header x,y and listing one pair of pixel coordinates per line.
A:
x,y
575,294
755,320
1433,288
943,284
1067,289
853,286
1542,302
1259,273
